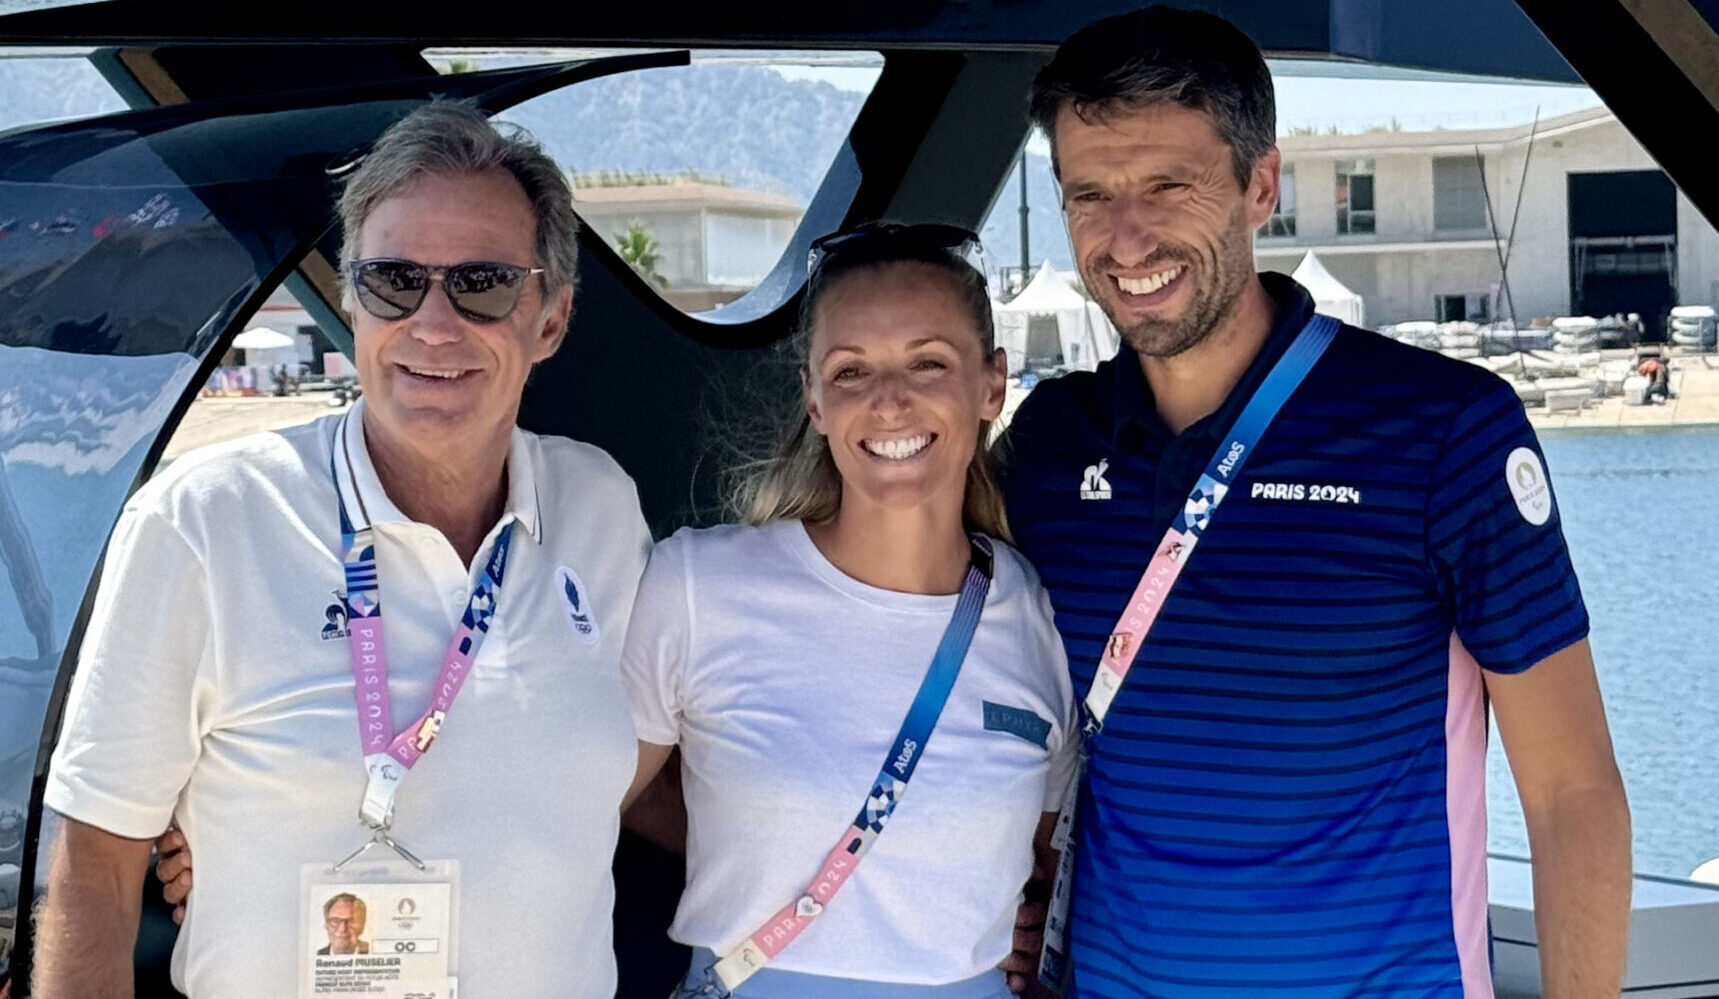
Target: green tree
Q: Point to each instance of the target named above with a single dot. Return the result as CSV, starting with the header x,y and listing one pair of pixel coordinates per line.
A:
x,y
456,66
642,252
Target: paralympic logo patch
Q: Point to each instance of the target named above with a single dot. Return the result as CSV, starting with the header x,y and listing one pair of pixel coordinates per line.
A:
x,y
1526,478
577,603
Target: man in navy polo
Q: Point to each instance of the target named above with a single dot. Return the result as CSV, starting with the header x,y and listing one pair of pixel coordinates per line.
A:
x,y
1287,797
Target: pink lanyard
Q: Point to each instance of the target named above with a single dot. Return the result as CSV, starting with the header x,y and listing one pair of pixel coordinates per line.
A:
x,y
389,754
1165,567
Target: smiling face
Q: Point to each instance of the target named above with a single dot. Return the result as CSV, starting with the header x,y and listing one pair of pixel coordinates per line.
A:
x,y
436,380
345,925
1162,231
898,382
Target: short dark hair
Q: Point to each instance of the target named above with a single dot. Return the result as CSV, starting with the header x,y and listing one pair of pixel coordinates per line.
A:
x,y
1199,61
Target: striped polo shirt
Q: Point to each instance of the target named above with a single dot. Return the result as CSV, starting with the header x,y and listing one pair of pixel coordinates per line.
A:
x,y
1288,795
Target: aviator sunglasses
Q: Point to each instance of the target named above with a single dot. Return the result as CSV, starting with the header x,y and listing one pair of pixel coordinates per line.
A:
x,y
482,291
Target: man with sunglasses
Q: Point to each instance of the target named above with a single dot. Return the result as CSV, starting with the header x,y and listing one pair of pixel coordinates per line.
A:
x,y
1291,563
214,692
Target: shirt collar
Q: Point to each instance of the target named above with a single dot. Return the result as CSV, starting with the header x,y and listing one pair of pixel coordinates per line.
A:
x,y
1132,401
366,501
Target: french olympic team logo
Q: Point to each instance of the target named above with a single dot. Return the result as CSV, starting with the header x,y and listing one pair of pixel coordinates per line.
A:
x,y
577,603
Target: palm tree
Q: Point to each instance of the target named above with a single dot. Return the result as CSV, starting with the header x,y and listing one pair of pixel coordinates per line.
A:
x,y
642,252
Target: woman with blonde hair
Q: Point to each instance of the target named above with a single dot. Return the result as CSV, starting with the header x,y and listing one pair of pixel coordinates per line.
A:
x,y
782,654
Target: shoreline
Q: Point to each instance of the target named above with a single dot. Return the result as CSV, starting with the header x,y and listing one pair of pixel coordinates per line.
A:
x,y
1694,382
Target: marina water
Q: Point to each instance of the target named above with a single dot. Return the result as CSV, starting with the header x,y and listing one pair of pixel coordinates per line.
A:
x,y
1641,513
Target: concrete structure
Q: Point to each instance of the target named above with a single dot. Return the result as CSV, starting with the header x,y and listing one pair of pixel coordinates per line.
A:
x,y
1414,237
716,243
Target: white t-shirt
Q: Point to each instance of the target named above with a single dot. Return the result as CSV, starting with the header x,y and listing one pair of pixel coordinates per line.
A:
x,y
207,693
784,681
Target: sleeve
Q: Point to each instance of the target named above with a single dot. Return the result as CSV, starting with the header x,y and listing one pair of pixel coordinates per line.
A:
x,y
653,661
131,734
1495,540
1065,744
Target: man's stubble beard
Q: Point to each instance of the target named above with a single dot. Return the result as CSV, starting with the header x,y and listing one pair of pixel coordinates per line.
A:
x,y
1222,280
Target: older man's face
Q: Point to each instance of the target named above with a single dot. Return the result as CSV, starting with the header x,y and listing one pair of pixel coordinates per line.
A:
x,y
437,378
345,926
1162,230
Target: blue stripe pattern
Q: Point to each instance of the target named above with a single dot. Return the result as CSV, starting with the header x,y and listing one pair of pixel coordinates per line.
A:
x,y
1265,811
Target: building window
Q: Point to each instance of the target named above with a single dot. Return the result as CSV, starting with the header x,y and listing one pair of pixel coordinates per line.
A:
x,y
1354,196
1459,193
1474,308
1282,221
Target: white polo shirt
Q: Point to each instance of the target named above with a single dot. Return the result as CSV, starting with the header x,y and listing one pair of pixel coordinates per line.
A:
x,y
208,693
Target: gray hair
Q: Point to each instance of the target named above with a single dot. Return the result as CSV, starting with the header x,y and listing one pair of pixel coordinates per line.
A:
x,y
1196,60
453,138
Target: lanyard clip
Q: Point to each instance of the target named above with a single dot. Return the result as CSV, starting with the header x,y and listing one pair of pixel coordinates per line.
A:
x,y
376,810
1090,726
380,837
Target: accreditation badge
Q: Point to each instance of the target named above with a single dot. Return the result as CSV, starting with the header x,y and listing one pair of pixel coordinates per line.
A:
x,y
379,928
1054,965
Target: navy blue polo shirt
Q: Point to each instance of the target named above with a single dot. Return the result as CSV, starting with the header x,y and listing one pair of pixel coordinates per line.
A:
x,y
1288,795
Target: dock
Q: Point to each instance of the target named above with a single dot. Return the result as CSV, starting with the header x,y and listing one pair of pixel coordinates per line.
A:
x,y
1694,402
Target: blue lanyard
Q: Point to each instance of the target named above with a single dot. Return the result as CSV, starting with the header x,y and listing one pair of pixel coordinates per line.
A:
x,y
780,930
1162,571
1195,518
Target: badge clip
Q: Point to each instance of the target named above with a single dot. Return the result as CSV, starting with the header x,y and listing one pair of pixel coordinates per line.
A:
x,y
379,837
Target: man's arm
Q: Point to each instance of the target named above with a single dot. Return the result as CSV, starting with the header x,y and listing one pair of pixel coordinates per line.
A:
x,y
1553,726
87,930
1021,967
653,807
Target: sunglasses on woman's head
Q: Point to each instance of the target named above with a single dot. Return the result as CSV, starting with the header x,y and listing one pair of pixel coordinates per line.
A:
x,y
872,235
482,291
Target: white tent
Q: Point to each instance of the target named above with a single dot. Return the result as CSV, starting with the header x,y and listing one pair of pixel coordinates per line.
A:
x,y
1331,297
1049,324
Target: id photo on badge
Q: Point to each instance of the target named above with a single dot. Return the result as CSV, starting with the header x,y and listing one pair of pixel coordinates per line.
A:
x,y
378,929
345,916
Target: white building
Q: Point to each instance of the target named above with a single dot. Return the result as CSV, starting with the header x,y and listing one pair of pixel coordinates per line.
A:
x,y
715,242
1406,219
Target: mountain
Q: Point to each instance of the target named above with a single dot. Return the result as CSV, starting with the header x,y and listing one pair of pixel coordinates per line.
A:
x,y
746,124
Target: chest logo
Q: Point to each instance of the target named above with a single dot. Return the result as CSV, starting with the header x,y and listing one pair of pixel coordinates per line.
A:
x,y
1305,492
1526,478
1093,484
577,603
334,616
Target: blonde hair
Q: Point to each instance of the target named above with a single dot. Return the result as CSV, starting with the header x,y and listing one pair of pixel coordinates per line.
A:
x,y
799,479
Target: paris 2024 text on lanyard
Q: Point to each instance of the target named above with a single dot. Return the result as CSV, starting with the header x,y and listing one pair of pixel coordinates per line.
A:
x,y
720,979
408,907
1168,561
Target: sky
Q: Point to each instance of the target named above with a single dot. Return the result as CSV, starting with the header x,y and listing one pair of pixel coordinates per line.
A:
x,y
1353,104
